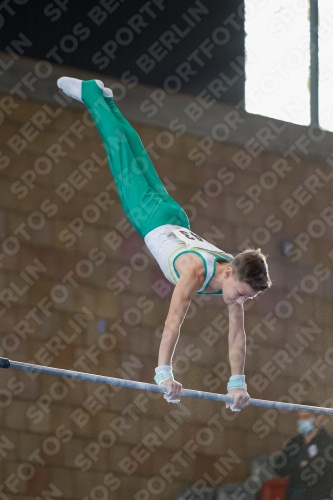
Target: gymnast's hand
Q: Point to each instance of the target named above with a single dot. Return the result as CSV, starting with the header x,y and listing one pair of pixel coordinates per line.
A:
x,y
241,399
174,390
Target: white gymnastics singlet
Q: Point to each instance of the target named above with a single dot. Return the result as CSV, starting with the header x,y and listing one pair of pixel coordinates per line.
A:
x,y
169,241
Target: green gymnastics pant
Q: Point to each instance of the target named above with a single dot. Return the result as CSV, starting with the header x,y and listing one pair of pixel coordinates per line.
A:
x,y
144,199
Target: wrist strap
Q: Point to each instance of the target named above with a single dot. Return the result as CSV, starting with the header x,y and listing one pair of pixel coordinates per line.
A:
x,y
237,377
237,382
163,372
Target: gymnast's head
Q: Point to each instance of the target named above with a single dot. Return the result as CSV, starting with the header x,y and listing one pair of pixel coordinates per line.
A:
x,y
245,276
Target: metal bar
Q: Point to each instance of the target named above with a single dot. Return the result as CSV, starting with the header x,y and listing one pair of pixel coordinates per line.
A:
x,y
133,384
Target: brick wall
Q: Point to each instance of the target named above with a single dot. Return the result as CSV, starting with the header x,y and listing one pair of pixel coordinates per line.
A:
x,y
80,291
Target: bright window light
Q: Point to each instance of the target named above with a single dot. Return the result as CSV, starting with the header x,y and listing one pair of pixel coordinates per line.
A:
x,y
277,50
326,64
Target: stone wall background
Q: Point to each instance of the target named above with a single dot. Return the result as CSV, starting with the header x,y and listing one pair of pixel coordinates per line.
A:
x,y
80,291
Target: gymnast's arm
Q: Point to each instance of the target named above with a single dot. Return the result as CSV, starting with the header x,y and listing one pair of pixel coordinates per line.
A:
x,y
237,351
237,339
189,282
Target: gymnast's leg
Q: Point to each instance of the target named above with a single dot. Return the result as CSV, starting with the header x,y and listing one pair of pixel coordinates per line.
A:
x,y
145,201
138,151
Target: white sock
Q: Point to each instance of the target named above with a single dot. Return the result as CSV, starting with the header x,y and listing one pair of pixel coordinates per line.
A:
x,y
73,86
107,92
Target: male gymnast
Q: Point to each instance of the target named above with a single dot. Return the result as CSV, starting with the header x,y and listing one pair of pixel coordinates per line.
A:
x,y
188,261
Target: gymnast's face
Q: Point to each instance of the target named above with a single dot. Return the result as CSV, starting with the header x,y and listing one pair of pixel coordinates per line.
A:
x,y
235,291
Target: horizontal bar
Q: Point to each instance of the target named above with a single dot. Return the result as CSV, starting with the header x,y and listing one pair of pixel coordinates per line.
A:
x,y
133,384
